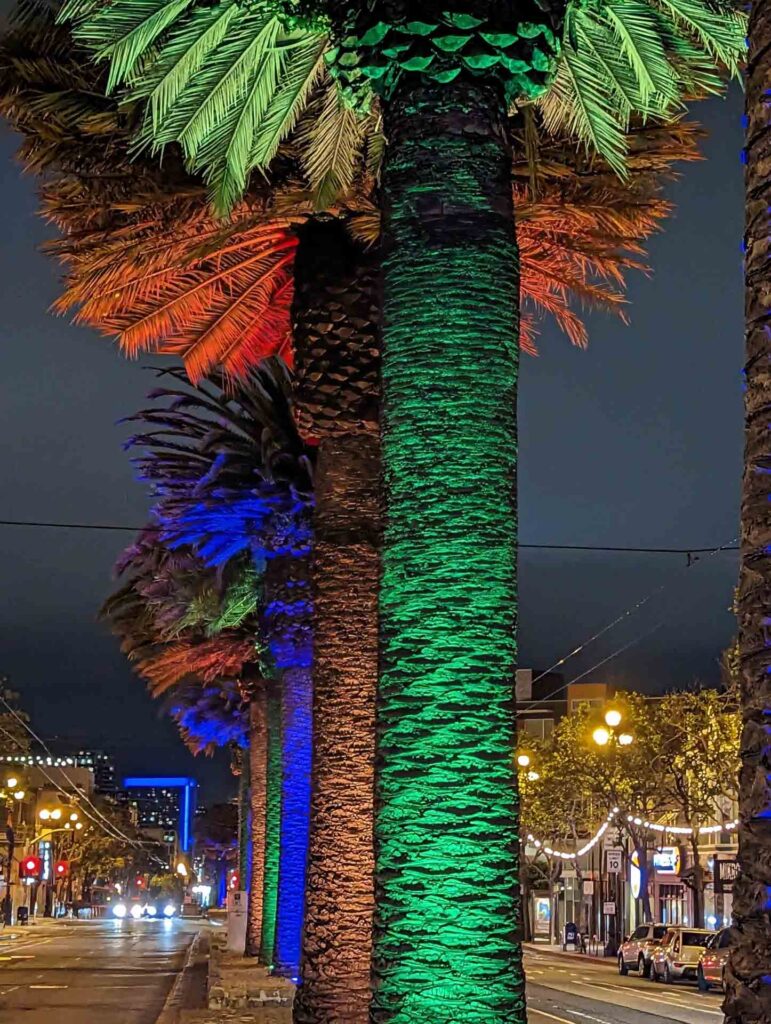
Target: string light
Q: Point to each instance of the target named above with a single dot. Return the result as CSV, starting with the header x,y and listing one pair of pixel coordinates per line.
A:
x,y
650,826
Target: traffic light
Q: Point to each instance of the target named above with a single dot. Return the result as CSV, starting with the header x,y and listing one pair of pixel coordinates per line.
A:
x,y
140,882
31,867
61,868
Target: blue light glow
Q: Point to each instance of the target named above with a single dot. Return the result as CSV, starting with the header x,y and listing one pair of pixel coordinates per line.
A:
x,y
296,717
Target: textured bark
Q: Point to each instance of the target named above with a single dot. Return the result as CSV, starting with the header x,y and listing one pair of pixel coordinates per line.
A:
x,y
337,941
296,732
336,355
272,827
748,976
244,816
446,931
258,772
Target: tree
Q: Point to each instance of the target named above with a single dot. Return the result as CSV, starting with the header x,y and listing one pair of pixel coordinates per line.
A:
x,y
748,997
446,801
700,730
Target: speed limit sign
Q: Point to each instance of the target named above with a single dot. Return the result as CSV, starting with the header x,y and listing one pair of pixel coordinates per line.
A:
x,y
614,860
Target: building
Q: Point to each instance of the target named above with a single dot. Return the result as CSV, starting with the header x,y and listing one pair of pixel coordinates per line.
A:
x,y
543,698
100,764
165,806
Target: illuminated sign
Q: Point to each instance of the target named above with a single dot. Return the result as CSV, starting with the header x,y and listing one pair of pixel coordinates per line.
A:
x,y
635,878
667,860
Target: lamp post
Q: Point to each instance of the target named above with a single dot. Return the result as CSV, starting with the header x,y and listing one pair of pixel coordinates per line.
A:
x,y
12,793
611,736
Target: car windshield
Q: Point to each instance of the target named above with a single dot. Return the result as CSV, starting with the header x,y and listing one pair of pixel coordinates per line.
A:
x,y
695,938
659,933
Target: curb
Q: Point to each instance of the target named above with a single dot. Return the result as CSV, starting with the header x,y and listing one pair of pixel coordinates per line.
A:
x,y
173,1004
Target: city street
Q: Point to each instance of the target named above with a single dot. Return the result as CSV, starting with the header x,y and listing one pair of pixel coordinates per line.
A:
x,y
110,972
567,990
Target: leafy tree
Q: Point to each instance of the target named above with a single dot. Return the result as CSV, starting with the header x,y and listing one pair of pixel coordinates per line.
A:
x,y
700,729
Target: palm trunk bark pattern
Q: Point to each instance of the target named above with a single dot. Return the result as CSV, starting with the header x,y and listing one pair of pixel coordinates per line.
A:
x,y
272,827
336,353
446,938
258,774
748,976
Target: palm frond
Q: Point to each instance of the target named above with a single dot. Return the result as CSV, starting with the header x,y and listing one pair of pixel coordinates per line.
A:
x,y
329,141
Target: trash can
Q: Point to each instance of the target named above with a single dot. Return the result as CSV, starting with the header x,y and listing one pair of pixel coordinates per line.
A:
x,y
22,915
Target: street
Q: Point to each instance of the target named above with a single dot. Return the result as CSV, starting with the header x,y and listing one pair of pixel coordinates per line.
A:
x,y
567,990
110,972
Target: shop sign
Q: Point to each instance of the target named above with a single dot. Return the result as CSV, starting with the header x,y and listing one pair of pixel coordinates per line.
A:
x,y
666,860
725,872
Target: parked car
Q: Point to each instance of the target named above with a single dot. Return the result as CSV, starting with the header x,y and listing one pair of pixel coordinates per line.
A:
x,y
636,950
678,954
711,969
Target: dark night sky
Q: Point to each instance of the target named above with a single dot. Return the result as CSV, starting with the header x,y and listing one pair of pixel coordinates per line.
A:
x,y
636,441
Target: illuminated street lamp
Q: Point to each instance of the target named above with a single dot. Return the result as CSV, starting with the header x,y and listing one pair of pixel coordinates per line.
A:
x,y
613,717
523,760
182,869
625,739
601,736
44,815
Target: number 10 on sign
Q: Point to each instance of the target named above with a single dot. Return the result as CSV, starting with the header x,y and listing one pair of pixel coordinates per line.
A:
x,y
614,860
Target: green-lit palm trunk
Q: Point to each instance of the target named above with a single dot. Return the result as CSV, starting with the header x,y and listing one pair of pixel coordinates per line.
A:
x,y
446,935
748,978
272,825
336,360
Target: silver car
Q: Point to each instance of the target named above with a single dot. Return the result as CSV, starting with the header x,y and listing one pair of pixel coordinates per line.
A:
x,y
711,969
636,950
679,954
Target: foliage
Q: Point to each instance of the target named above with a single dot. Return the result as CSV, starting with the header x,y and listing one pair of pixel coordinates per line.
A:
x,y
228,82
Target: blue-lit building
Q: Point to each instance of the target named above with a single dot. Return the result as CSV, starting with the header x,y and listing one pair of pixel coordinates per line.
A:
x,y
164,803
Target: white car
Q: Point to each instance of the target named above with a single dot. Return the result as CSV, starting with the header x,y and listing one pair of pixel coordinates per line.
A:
x,y
679,953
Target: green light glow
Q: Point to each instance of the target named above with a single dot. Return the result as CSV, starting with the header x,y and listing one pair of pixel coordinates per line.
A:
x,y
272,829
446,945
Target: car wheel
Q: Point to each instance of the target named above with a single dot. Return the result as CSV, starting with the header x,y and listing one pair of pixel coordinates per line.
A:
x,y
643,968
623,970
701,981
667,975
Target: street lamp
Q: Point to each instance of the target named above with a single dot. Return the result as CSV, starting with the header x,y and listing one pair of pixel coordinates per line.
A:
x,y
601,736
613,717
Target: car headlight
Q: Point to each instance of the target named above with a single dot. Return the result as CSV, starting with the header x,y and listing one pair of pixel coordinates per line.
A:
x,y
136,911
151,910
169,910
119,910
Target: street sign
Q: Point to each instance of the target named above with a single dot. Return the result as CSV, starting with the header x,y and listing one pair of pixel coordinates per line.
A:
x,y
726,872
609,909
588,888
614,860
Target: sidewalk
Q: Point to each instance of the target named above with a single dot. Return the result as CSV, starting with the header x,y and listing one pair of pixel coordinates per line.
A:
x,y
556,950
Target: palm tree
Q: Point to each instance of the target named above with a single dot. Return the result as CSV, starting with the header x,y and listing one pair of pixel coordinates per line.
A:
x,y
232,478
216,31
748,995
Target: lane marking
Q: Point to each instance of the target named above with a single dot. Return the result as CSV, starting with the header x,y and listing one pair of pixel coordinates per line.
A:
x,y
13,988
49,986
543,1013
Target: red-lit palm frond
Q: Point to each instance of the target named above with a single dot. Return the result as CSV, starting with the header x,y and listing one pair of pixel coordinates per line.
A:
x,y
160,286
580,227
203,659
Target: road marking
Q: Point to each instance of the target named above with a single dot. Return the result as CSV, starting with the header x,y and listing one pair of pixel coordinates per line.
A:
x,y
49,986
562,1020
6,991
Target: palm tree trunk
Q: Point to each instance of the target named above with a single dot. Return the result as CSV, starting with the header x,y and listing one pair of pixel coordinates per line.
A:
x,y
336,344
244,815
446,936
748,998
272,827
296,730
258,774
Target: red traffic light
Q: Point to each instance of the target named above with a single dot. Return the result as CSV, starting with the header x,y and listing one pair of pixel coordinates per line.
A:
x,y
140,882
32,867
61,868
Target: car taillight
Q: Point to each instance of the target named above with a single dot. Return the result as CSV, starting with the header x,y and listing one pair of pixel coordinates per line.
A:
x,y
679,965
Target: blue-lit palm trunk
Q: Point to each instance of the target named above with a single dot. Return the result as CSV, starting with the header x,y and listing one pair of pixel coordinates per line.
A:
x,y
288,614
446,929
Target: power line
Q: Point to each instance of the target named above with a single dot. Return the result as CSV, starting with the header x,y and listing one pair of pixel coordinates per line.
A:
x,y
611,548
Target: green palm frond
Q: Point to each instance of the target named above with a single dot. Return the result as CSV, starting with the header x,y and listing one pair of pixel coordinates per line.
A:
x,y
124,33
637,57
330,139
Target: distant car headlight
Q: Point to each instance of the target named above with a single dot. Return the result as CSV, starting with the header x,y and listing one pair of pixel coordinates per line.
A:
x,y
169,910
151,910
136,911
119,910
